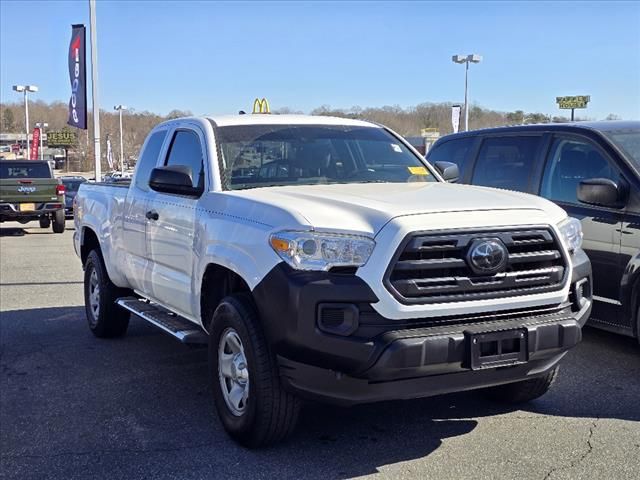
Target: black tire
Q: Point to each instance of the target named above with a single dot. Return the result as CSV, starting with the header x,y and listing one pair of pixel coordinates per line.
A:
x,y
58,221
270,413
45,222
524,391
110,320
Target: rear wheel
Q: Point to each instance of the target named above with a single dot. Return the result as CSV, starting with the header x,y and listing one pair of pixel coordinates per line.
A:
x,y
105,318
524,391
45,222
252,405
58,221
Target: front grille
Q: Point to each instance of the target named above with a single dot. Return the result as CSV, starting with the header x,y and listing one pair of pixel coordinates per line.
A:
x,y
433,268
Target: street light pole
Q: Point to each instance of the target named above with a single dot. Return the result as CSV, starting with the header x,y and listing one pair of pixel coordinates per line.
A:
x,y
466,59
120,108
25,89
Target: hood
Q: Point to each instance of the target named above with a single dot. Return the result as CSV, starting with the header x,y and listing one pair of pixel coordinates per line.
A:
x,y
368,207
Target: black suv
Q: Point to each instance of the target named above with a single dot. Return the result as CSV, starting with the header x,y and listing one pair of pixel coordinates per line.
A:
x,y
590,169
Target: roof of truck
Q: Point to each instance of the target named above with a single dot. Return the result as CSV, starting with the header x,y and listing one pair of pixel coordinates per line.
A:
x,y
275,119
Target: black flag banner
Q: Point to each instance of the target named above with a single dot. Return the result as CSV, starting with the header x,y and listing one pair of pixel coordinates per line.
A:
x,y
78,78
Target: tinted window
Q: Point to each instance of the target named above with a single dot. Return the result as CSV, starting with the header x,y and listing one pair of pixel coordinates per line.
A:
x,y
268,155
506,162
185,150
24,170
571,161
628,141
72,185
149,159
452,151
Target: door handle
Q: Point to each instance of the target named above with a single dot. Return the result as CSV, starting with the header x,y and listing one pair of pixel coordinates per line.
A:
x,y
151,215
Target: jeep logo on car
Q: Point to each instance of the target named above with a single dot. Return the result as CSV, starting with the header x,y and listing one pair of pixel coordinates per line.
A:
x,y
26,190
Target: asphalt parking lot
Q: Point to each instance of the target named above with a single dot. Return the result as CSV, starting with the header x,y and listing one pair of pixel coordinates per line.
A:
x,y
73,406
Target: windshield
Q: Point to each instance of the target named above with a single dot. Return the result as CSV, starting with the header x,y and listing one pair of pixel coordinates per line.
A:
x,y
24,170
269,155
628,141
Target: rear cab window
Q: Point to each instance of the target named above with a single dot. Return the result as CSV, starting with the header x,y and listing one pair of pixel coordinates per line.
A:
x,y
507,162
149,159
24,170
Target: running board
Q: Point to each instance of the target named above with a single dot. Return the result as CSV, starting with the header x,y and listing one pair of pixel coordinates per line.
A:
x,y
174,325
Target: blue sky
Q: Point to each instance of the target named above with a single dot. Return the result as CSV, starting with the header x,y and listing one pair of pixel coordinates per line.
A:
x,y
215,57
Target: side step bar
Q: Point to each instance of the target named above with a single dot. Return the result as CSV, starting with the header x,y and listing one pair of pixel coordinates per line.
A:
x,y
174,325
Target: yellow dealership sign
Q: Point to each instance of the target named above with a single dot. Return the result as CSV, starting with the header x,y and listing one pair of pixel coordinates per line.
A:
x,y
261,106
579,101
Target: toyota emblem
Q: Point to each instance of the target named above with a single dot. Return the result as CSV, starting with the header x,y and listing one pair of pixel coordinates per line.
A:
x,y
488,256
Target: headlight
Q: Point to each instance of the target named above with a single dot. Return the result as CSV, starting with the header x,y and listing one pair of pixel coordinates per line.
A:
x,y
571,233
321,251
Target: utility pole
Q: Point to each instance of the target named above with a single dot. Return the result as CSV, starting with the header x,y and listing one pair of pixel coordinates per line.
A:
x,y
94,82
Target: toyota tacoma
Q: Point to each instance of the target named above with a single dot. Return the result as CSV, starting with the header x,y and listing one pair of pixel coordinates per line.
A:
x,y
324,258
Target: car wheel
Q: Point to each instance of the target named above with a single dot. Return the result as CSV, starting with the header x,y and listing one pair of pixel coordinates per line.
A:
x,y
45,222
251,402
523,391
105,318
58,221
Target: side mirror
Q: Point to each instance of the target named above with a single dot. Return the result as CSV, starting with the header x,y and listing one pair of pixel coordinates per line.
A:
x,y
449,171
175,179
602,192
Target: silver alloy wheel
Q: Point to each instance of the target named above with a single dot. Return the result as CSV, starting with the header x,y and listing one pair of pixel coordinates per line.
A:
x,y
233,372
94,295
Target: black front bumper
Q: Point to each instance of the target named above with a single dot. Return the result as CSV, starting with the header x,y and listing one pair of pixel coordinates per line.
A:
x,y
382,359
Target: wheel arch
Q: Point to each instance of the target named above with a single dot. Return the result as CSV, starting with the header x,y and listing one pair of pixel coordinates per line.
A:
x,y
218,281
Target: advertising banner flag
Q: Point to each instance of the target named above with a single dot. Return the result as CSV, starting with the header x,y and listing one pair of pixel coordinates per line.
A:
x,y
455,117
78,78
109,153
35,143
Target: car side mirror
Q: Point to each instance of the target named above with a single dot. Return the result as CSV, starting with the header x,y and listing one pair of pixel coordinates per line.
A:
x,y
448,170
175,179
602,192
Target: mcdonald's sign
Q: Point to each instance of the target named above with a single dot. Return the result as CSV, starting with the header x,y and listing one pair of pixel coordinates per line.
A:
x,y
261,106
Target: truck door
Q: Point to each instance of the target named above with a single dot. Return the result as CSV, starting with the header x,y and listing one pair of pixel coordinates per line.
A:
x,y
171,228
134,223
572,159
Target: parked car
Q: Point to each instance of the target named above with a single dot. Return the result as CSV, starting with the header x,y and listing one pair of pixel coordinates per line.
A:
x,y
29,191
71,185
349,273
592,170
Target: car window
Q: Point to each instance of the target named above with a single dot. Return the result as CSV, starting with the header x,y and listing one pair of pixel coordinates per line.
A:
x,y
149,159
506,162
570,161
186,150
24,170
452,151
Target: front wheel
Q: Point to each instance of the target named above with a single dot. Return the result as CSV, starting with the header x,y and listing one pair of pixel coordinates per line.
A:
x,y
253,407
525,390
106,319
58,221
45,222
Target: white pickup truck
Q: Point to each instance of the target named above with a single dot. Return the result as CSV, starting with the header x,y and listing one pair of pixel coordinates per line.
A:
x,y
324,258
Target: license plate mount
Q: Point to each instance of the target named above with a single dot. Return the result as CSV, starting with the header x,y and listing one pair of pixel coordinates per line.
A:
x,y
498,349
26,207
